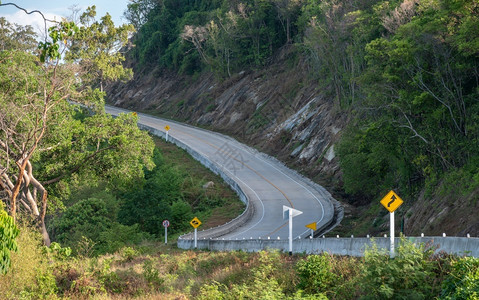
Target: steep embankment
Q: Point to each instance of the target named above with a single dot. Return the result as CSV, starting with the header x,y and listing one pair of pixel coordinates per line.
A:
x,y
277,110
404,73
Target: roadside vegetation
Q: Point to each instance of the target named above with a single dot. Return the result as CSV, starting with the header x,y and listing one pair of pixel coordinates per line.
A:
x,y
152,270
88,181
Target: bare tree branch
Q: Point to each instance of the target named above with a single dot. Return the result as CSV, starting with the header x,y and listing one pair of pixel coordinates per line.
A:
x,y
45,20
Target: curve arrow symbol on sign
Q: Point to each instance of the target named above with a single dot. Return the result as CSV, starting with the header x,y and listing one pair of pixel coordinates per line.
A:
x,y
393,198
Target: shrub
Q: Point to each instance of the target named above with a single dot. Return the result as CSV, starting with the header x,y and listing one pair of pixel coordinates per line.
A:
x,y
8,234
211,292
152,275
263,283
408,276
463,281
86,218
315,274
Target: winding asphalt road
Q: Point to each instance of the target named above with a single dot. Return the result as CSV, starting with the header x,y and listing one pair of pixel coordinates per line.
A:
x,y
266,182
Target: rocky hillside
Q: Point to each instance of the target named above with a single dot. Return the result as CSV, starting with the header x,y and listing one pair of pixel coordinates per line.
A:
x,y
395,82
278,110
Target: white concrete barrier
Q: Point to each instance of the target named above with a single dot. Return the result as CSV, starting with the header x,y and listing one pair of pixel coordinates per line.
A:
x,y
233,224
338,246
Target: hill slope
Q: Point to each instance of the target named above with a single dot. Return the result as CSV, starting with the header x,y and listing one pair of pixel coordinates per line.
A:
x,y
370,96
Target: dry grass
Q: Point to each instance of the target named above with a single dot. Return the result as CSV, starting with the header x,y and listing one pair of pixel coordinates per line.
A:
x,y
26,265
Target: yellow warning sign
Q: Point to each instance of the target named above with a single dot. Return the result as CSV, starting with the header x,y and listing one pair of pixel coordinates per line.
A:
x,y
312,226
195,222
391,201
167,127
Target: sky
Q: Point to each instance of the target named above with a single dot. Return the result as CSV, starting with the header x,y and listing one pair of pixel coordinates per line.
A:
x,y
54,9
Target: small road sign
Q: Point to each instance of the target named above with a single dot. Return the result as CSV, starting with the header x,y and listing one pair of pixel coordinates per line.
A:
x,y
391,201
167,128
288,214
287,211
166,224
195,222
311,226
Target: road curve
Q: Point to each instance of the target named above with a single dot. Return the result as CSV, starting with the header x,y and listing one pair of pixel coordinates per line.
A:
x,y
265,182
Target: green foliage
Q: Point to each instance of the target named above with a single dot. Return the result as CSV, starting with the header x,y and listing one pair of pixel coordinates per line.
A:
x,y
128,253
35,113
96,49
50,50
151,275
17,37
211,291
413,274
87,218
463,280
371,160
137,12
315,274
31,273
223,36
92,220
113,149
417,117
334,40
57,251
8,243
408,276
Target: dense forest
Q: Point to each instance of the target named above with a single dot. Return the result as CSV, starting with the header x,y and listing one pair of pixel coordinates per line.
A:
x,y
404,72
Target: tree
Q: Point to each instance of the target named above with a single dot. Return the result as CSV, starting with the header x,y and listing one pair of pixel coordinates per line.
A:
x,y
14,36
38,126
97,48
30,94
137,12
287,9
112,148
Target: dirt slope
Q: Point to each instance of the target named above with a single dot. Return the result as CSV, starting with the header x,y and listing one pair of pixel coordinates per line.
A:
x,y
280,110
277,109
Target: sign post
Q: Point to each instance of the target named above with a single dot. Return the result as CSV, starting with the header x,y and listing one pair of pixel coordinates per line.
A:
x,y
313,228
166,224
289,213
391,202
195,223
167,128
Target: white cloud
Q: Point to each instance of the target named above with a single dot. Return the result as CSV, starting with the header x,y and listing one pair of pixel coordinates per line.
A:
x,y
35,20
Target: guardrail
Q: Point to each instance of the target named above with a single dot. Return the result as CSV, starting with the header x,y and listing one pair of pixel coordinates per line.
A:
x,y
468,246
249,210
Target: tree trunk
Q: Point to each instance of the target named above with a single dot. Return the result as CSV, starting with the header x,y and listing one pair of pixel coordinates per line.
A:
x,y
16,189
46,237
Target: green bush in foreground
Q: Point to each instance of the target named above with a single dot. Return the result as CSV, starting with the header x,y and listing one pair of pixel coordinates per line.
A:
x,y
167,273
315,274
8,234
410,275
463,281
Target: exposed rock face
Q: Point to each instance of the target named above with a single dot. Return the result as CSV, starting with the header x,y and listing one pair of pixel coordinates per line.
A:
x,y
278,110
